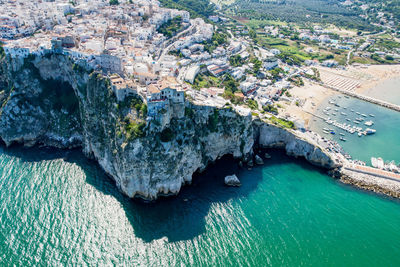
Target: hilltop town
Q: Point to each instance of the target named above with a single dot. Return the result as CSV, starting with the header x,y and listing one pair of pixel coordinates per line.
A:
x,y
164,56
145,50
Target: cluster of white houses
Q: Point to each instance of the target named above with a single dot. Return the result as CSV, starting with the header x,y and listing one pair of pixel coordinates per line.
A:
x,y
121,40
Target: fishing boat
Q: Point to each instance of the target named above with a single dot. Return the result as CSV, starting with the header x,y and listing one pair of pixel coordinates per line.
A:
x,y
342,134
377,163
343,139
392,167
369,123
358,113
372,115
370,131
357,122
364,115
347,119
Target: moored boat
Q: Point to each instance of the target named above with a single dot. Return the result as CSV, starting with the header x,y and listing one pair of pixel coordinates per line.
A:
x,y
369,123
370,131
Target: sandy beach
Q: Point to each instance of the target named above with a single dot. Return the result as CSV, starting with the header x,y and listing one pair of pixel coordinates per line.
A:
x,y
358,78
309,96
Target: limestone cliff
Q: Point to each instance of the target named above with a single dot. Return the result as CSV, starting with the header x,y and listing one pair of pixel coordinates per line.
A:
x,y
52,101
295,143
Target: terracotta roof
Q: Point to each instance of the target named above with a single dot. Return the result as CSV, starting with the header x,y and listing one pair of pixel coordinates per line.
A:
x,y
153,89
146,74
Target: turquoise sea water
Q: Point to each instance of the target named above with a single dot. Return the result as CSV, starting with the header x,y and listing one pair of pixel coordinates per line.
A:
x,y
58,207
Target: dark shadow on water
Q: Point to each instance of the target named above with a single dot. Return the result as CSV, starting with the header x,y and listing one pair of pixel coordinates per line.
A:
x,y
182,217
179,217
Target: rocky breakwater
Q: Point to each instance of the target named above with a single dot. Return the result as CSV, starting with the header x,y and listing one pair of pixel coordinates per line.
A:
x,y
379,185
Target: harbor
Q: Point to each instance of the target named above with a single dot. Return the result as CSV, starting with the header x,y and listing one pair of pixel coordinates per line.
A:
x,y
346,127
385,121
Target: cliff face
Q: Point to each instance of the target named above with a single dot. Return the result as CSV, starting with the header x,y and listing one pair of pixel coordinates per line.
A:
x,y
295,144
49,100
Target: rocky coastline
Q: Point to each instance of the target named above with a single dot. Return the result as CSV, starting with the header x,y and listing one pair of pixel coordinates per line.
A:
x,y
53,102
370,183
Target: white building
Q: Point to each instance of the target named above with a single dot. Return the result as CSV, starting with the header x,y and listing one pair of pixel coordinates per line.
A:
x,y
270,63
109,63
191,74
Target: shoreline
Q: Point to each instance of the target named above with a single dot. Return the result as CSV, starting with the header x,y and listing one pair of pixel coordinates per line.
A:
x,y
368,183
312,95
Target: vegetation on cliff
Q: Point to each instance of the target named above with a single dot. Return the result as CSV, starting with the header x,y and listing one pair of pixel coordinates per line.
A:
x,y
132,118
282,122
2,53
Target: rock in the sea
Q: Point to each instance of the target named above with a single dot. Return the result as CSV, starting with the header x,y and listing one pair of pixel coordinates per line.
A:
x,y
267,156
259,160
232,180
250,163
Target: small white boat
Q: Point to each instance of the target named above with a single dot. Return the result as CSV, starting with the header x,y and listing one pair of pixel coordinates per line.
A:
x,y
369,123
377,163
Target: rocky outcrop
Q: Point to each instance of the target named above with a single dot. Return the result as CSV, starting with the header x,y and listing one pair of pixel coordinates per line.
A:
x,y
232,180
52,101
258,160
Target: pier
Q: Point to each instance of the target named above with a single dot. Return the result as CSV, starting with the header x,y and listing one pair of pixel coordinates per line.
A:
x,y
372,171
364,97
